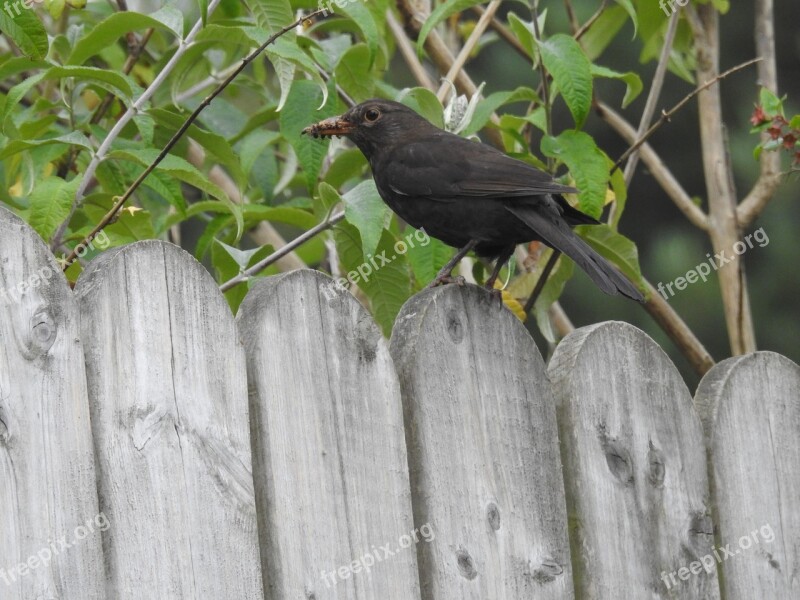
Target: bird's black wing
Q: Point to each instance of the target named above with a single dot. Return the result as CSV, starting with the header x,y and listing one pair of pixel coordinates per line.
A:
x,y
444,166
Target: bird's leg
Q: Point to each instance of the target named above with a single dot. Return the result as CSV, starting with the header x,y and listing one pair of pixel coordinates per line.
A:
x,y
502,259
443,276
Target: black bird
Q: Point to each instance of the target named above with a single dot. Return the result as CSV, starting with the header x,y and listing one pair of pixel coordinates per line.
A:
x,y
467,194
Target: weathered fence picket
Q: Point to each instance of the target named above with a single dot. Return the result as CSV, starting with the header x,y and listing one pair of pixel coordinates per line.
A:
x,y
330,453
636,479
168,398
483,450
751,412
295,453
47,476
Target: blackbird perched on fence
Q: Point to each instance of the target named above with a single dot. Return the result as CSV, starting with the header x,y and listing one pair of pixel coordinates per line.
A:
x,y
467,194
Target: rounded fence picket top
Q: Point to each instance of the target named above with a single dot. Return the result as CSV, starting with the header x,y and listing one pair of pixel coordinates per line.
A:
x,y
751,412
168,393
483,449
634,463
330,461
47,467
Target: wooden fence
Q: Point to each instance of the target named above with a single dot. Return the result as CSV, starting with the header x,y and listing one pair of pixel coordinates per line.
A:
x,y
152,446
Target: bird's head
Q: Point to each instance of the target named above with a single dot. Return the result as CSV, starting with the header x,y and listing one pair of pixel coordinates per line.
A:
x,y
372,125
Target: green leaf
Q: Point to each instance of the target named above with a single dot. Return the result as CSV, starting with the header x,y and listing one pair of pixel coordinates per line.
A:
x,y
131,227
571,71
616,248
628,6
489,105
74,138
109,30
301,110
586,163
362,17
215,145
289,51
183,170
440,13
425,103
271,15
347,165
523,31
427,256
353,73
388,286
25,29
620,194
632,81
770,103
50,204
203,5
364,208
604,31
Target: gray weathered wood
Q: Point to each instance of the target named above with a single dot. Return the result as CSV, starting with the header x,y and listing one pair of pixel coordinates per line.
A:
x,y
483,450
329,451
633,452
751,412
47,481
168,396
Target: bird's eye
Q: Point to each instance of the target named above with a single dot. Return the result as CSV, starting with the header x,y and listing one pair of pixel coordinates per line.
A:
x,y
372,115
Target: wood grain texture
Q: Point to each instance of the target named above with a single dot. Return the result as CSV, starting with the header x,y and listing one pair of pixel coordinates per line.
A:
x,y
751,413
47,477
483,450
329,451
168,395
632,447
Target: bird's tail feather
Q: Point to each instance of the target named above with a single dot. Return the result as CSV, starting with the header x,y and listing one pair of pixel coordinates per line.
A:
x,y
559,236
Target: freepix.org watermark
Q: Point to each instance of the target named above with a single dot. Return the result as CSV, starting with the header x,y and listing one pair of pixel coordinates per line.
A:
x,y
709,562
43,557
365,270
720,259
14,294
15,8
378,554
668,6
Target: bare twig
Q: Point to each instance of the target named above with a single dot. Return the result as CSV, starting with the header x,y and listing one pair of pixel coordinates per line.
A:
x,y
678,331
537,290
504,32
660,171
264,233
408,53
543,71
770,177
469,46
588,25
272,258
724,229
111,214
655,93
667,114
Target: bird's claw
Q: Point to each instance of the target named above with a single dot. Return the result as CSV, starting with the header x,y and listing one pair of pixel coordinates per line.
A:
x,y
458,280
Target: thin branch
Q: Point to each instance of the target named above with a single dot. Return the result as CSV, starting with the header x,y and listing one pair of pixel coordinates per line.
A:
x,y
658,168
770,177
264,233
537,290
544,85
667,115
678,331
469,46
272,258
408,53
207,82
655,93
178,134
588,25
443,59
504,32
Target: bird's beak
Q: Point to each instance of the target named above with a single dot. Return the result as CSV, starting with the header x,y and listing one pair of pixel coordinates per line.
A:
x,y
332,126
